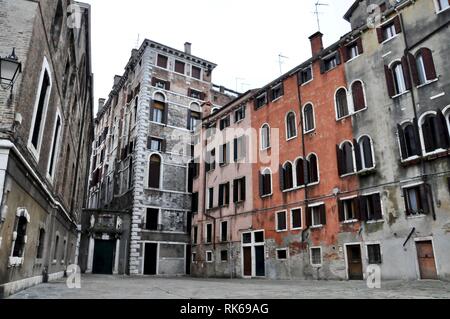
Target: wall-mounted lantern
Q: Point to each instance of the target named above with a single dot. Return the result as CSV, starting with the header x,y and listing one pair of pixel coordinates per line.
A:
x,y
10,67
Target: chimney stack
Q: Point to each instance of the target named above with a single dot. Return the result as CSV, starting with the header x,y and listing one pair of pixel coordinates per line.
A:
x,y
187,48
117,79
316,43
101,103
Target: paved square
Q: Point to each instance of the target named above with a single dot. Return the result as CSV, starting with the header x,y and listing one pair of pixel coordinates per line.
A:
x,y
123,287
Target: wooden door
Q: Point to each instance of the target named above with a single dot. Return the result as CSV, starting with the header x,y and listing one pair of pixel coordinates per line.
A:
x,y
427,263
354,260
247,261
151,259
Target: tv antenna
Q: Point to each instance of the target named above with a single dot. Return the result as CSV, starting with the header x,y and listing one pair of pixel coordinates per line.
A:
x,y
317,12
137,41
280,61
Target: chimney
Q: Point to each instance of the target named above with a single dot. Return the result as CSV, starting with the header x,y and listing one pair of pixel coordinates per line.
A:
x,y
316,43
101,103
187,48
134,52
117,79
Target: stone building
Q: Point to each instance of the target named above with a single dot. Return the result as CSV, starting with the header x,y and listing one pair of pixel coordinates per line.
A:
x,y
46,124
141,163
352,157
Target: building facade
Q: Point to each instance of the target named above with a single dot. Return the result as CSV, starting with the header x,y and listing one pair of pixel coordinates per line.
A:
x,y
350,175
141,163
45,135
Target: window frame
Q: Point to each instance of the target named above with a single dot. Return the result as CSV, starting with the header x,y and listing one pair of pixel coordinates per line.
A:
x,y
439,9
362,153
55,147
263,147
367,252
295,135
312,75
349,112
277,226
311,256
285,250
305,131
292,218
206,233
263,173
161,170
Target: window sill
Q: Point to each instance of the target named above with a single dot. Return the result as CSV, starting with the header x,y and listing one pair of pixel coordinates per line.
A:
x,y
348,174
438,151
238,122
361,110
297,229
367,171
316,227
15,261
282,231
354,58
277,99
343,118
309,132
390,39
443,10
427,83
400,94
266,196
291,138
418,216
316,266
265,149
375,221
313,184
307,82
352,221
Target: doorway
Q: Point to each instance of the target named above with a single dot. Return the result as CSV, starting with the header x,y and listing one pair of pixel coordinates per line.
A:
x,y
354,262
151,259
426,260
253,254
103,257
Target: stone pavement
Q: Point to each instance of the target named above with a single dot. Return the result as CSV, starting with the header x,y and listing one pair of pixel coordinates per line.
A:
x,y
123,287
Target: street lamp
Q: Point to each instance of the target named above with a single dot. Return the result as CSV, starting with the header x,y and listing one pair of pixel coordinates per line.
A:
x,y
10,67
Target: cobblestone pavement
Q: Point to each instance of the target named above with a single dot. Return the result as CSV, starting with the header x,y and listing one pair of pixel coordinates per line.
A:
x,y
122,287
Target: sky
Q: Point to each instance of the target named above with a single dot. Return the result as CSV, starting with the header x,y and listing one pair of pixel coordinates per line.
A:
x,y
243,37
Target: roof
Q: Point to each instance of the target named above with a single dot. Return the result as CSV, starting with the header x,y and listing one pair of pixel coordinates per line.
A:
x,y
349,12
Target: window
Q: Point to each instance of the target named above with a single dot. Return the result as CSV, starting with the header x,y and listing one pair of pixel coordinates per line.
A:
x,y
316,216
260,101
211,160
287,178
417,200
208,238
55,146
162,61
160,84
345,159
155,144
64,250
57,24
399,78
40,109
276,92
434,132
41,244
224,195
239,190
154,176
316,256
195,235
353,50
195,94
374,254
158,112
443,5
306,75
194,120
179,66
313,169
194,257
282,254
308,118
224,123
265,183
359,100
224,255
196,72
330,62
281,221
341,103
211,198
364,154
224,231
409,141
300,172
55,249
389,30
239,114
296,218
152,219
224,154
348,210
195,202
209,257
371,209
291,125
265,137
21,223
239,148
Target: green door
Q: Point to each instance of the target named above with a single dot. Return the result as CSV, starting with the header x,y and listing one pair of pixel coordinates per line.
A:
x,y
103,257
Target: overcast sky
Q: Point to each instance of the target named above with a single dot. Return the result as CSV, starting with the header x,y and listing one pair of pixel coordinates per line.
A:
x,y
244,37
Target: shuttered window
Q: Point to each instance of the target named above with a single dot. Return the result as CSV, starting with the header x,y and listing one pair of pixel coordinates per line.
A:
x,y
265,183
179,67
208,236
389,30
265,137
296,215
239,190
316,216
211,198
435,132
162,61
345,159
300,172
409,141
422,64
224,194
341,104
40,110
365,151
348,209
359,101
313,169
154,171
418,200
370,207
291,126
287,178
196,72
281,221
308,118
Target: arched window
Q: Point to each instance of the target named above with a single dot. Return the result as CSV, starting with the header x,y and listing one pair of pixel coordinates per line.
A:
x,y
291,125
158,112
399,78
265,183
21,232
359,101
345,158
424,69
434,132
308,118
300,172
287,177
265,136
313,169
366,159
409,141
154,175
341,103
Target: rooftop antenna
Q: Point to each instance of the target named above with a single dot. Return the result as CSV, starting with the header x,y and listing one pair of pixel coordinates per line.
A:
x,y
280,61
137,41
317,12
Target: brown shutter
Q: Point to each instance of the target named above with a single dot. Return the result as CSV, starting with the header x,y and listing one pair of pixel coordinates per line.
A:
x,y
221,189
154,80
357,208
344,50
389,81
261,184
417,142
281,173
166,113
322,66
189,120
151,110
323,215
413,67
425,199
227,191
397,24
236,191
380,35
358,96
406,198
340,205
362,205
430,70
168,85
163,146
376,202
338,57
340,161
406,75
442,133
243,189
360,46
357,155
308,217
